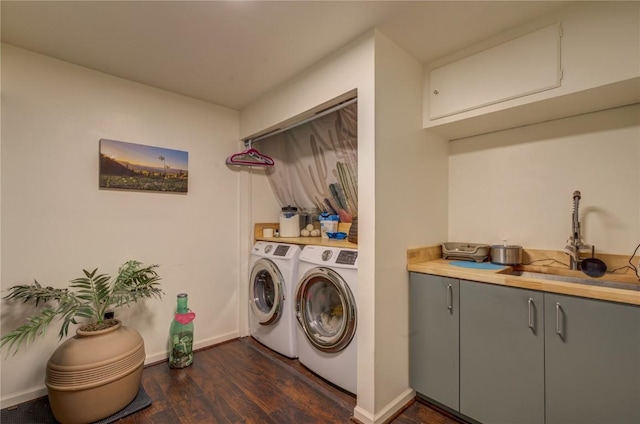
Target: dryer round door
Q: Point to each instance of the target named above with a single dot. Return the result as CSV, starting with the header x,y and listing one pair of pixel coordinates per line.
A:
x,y
266,292
326,310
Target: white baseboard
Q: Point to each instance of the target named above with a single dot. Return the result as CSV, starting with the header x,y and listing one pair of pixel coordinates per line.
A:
x,y
163,356
21,397
27,395
392,408
216,340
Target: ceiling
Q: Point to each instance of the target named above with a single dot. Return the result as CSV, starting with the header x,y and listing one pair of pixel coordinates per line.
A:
x,y
232,52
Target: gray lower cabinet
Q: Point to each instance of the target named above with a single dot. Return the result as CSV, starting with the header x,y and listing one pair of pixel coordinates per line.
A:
x,y
504,355
434,338
592,351
501,354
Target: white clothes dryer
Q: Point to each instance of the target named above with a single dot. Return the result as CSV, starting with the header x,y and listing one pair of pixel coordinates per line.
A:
x,y
327,314
273,276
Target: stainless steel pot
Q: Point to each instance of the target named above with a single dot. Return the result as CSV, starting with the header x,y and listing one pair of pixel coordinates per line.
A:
x,y
506,254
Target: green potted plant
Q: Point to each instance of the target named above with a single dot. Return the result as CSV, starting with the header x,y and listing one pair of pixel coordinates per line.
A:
x,y
98,372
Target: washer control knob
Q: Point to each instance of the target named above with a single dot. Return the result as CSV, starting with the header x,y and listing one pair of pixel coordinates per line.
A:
x,y
326,255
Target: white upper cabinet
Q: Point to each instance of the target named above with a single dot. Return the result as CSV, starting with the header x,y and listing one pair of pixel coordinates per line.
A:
x,y
581,59
525,65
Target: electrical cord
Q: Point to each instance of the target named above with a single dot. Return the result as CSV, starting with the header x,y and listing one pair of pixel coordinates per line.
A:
x,y
633,267
548,259
619,268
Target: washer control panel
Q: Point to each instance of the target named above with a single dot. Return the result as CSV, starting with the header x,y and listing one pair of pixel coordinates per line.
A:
x,y
276,250
330,256
281,250
347,257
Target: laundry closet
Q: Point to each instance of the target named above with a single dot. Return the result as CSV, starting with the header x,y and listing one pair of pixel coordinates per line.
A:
x,y
303,268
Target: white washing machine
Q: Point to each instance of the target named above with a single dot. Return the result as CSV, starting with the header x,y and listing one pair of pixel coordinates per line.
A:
x,y
273,277
327,315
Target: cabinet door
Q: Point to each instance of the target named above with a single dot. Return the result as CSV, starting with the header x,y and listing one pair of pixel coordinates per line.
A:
x,y
519,67
434,338
501,354
592,361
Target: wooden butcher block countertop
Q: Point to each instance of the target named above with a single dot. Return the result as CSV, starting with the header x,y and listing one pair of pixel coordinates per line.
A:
x,y
428,261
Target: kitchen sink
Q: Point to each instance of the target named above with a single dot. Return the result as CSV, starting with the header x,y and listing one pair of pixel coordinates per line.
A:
x,y
578,280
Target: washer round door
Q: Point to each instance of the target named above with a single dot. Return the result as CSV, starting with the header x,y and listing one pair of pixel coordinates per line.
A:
x,y
326,310
266,292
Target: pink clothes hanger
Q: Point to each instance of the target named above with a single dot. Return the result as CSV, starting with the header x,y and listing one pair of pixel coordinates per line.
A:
x,y
250,157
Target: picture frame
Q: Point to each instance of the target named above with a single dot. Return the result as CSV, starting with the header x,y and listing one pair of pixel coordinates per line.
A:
x,y
131,166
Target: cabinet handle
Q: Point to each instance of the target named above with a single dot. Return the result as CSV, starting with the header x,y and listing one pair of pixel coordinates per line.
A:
x,y
531,324
558,324
450,297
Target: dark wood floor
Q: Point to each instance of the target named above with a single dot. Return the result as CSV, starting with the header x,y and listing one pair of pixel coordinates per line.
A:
x,y
243,382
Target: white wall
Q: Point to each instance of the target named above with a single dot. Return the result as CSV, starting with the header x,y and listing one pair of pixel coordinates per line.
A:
x,y
518,184
330,78
55,220
410,209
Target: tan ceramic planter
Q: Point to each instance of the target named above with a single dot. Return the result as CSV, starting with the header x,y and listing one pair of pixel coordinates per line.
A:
x,y
95,374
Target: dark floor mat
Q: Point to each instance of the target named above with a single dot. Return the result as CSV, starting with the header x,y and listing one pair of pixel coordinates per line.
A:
x,y
38,411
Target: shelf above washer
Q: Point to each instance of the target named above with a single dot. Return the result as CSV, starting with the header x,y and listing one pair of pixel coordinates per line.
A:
x,y
316,241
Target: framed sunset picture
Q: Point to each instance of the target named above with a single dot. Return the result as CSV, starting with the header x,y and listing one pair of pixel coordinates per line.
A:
x,y
130,166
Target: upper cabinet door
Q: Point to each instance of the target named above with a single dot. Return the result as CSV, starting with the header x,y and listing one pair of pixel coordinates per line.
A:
x,y
519,67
